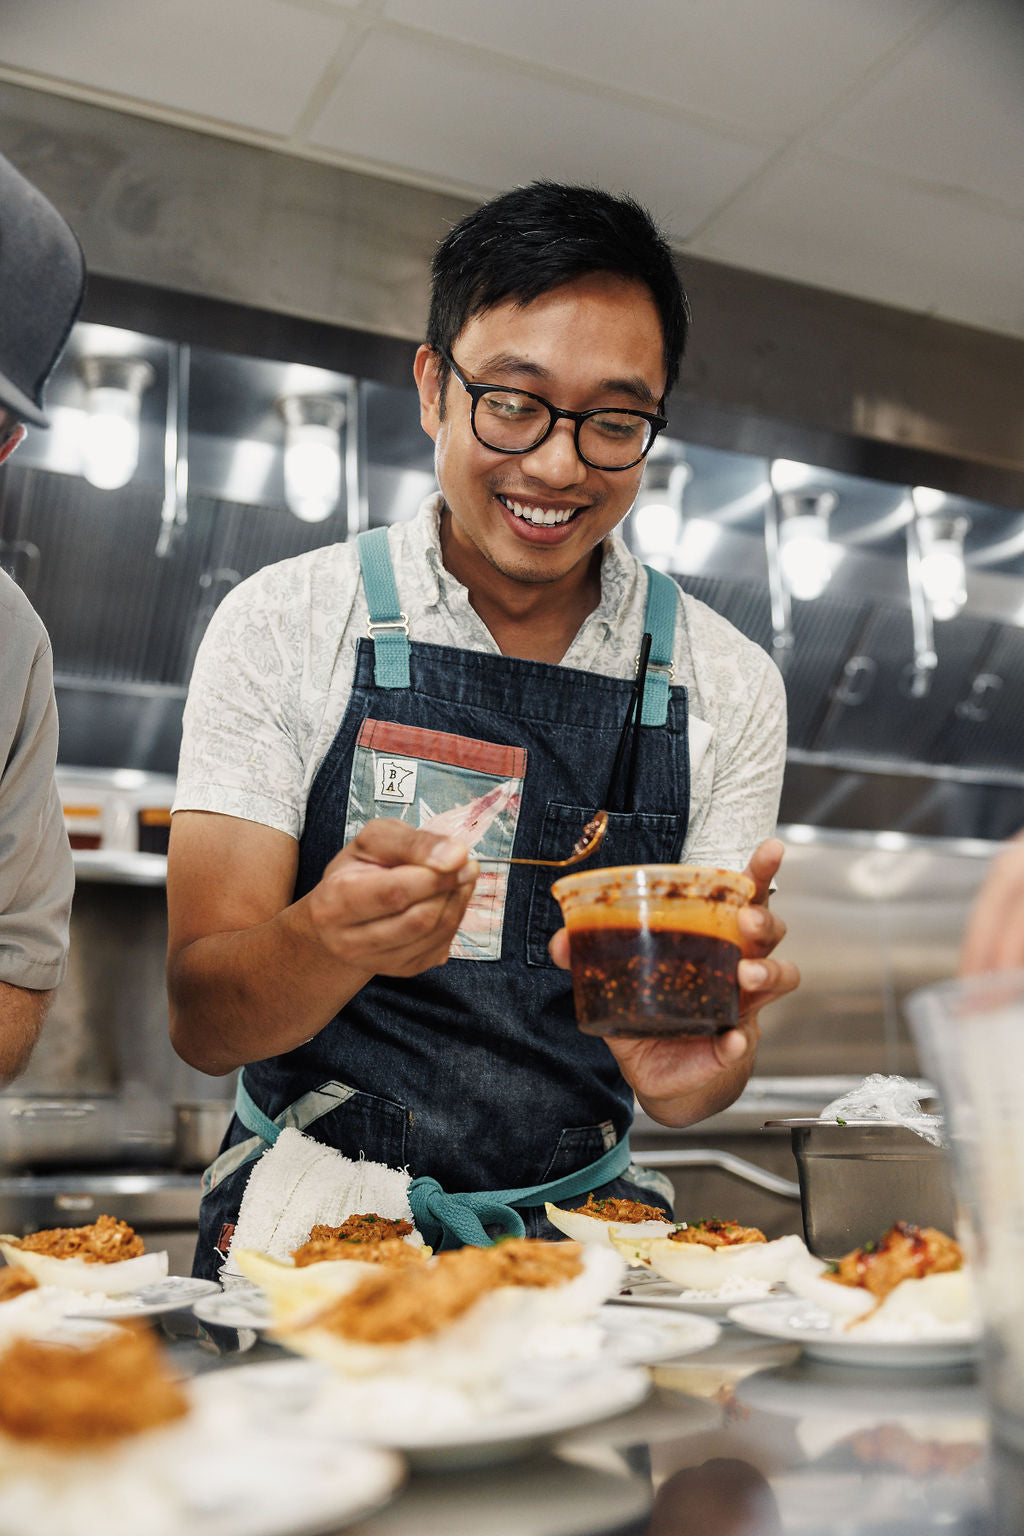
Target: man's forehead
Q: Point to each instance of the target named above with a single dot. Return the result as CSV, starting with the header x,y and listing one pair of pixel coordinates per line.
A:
x,y
610,288
606,326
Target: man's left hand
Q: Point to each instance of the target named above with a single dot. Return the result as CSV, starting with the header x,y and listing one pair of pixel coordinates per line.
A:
x,y
680,1079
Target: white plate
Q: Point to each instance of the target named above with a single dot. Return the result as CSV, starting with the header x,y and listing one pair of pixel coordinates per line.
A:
x,y
644,1289
167,1295
437,1427
823,1389
241,1306
239,1473
620,1337
648,1338
824,1338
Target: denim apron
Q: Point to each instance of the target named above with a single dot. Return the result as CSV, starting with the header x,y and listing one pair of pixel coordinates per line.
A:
x,y
473,1074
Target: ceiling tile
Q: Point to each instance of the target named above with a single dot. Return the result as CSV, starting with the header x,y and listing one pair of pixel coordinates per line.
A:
x,y
951,111
767,68
476,125
861,232
248,62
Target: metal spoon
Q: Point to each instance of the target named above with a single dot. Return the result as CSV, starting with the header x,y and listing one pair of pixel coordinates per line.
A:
x,y
588,841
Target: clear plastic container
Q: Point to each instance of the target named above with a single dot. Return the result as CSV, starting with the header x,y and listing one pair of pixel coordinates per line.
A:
x,y
654,947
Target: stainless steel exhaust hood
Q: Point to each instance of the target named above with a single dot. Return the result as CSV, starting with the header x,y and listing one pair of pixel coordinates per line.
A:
x,y
867,751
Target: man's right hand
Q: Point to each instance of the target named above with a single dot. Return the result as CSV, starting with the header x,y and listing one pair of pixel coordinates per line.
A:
x,y
252,972
392,899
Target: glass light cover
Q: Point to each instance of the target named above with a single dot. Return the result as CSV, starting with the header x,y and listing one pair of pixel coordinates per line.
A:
x,y
805,555
943,577
110,448
312,470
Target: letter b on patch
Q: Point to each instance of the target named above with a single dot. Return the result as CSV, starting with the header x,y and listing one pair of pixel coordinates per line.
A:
x,y
394,779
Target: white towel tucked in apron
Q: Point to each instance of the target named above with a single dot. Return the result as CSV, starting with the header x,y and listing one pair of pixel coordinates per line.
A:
x,y
298,1183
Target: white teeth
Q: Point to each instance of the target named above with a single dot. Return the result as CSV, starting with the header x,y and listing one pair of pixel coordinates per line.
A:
x,y
544,517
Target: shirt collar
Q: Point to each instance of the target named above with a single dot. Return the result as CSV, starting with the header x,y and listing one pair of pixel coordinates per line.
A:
x,y
620,570
423,541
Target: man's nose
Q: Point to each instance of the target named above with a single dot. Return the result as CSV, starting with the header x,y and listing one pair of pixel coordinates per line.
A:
x,y
555,460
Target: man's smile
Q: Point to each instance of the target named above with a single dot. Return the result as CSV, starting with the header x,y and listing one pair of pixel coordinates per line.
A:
x,y
533,512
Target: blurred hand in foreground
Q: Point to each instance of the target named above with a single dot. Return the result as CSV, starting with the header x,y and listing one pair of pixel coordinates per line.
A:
x,y
994,938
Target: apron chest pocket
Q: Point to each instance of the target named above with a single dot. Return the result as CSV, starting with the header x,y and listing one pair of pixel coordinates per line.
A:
x,y
639,837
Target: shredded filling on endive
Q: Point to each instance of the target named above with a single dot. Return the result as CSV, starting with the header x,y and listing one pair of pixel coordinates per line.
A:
x,y
612,1209
717,1234
905,1252
398,1305
364,1233
104,1241
65,1396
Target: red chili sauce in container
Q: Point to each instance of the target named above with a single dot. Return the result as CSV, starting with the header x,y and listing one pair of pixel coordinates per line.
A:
x,y
653,948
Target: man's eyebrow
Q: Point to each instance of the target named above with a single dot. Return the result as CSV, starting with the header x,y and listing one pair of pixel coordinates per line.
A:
x,y
504,363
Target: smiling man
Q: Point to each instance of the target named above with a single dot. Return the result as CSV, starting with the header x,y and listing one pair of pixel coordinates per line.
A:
x,y
370,725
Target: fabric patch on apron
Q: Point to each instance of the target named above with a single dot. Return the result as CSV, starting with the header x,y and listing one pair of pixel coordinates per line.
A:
x,y
455,786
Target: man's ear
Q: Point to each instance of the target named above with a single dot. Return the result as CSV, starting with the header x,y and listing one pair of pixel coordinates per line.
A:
x,y
428,383
11,441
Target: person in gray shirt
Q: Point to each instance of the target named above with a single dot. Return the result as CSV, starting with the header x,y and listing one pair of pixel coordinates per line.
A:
x,y
42,280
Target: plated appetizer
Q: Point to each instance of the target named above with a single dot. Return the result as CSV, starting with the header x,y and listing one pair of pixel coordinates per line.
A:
x,y
911,1272
598,1218
331,1261
707,1256
461,1317
102,1437
367,1236
106,1256
71,1397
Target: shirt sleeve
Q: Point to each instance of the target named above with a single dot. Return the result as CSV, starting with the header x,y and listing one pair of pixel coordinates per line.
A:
x,y
241,748
735,803
37,878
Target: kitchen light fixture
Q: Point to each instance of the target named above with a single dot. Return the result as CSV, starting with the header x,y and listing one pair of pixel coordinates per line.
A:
x,y
110,440
940,539
800,558
790,475
312,454
658,519
806,557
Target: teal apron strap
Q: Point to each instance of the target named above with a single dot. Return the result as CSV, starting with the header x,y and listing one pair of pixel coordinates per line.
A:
x,y
388,627
660,620
442,1217
252,1117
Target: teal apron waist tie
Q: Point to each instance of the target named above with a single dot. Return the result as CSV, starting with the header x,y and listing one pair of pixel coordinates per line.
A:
x,y
445,1218
441,1216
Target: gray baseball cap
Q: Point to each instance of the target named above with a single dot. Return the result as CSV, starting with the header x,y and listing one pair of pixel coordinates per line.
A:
x,y
42,281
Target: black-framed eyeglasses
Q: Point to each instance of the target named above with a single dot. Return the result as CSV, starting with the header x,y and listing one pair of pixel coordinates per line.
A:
x,y
516,421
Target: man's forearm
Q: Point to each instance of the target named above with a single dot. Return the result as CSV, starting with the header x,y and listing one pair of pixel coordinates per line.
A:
x,y
22,1011
240,997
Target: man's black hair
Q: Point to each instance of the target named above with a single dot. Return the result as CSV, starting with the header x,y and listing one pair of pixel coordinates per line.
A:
x,y
534,238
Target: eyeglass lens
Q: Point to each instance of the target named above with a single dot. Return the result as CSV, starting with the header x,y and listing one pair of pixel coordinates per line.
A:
x,y
511,422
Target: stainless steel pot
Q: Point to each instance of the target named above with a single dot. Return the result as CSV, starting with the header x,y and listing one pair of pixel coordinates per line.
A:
x,y
39,1131
199,1127
858,1178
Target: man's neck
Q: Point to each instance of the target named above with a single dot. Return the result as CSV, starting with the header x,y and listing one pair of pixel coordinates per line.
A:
x,y
534,621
